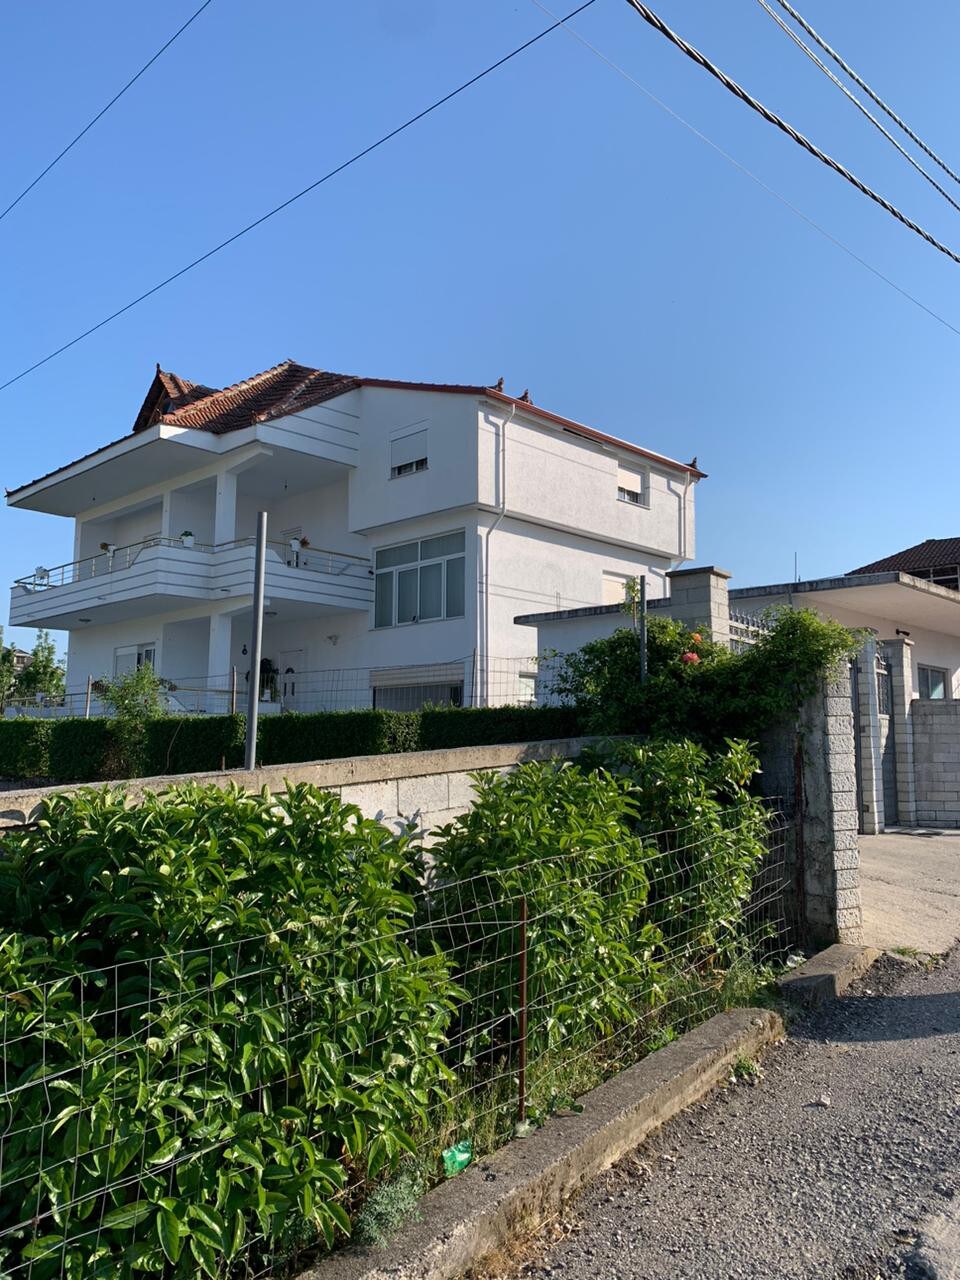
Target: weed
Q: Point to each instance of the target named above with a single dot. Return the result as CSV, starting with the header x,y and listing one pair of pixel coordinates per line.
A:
x,y
390,1206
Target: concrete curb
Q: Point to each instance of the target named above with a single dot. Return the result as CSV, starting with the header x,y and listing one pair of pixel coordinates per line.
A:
x,y
520,1186
827,974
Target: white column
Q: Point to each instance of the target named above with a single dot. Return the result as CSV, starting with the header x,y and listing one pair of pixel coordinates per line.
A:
x,y
165,515
218,663
225,512
872,815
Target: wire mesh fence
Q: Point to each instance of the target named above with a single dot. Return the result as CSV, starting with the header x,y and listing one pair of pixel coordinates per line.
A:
x,y
222,1109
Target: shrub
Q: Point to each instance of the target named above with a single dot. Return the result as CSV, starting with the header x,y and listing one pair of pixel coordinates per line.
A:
x,y
562,840
24,748
81,750
236,1027
477,726
710,831
326,735
720,696
193,744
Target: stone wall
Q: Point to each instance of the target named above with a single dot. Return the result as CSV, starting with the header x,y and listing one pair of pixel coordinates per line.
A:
x,y
936,761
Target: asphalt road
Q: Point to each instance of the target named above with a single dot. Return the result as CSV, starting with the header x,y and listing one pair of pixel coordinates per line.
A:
x,y
843,1160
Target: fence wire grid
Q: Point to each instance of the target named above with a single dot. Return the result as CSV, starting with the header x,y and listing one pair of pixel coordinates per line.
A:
x,y
121,1085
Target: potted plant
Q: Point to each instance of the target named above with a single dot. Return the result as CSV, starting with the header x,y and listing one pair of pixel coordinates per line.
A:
x,y
187,538
268,679
109,547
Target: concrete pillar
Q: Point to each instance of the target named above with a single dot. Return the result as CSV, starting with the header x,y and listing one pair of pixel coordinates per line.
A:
x,y
218,663
225,511
900,657
699,598
869,746
165,515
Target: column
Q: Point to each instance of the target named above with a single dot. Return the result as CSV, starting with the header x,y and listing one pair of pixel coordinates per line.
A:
x,y
900,657
218,664
698,597
869,746
225,512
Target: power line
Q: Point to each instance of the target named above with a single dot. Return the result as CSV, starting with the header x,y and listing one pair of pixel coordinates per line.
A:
x,y
653,20
103,111
331,173
784,26
742,168
875,97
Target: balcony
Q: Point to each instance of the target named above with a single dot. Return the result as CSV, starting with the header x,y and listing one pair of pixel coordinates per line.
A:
x,y
159,575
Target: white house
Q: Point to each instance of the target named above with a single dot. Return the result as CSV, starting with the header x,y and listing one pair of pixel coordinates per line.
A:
x,y
408,522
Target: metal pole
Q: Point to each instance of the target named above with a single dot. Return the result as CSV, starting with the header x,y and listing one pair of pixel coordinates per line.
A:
x,y
643,627
233,691
86,705
256,643
522,1009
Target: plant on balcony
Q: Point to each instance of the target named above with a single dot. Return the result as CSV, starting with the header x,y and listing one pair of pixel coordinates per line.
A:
x,y
186,537
109,547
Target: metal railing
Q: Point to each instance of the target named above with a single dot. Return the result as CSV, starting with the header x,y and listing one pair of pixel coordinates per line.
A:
x,y
115,559
746,629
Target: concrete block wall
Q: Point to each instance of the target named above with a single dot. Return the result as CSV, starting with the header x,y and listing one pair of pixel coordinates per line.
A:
x,y
936,761
699,597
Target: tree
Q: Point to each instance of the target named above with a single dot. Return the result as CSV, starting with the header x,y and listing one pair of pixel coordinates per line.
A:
x,y
133,698
45,673
8,674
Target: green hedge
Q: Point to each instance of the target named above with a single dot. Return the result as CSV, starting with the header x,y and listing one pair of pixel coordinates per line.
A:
x,y
80,750
25,748
478,726
74,750
326,735
194,744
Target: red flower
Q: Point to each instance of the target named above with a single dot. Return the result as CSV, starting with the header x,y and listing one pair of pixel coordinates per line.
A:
x,y
690,658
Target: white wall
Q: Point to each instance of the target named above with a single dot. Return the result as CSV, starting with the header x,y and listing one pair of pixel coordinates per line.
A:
x,y
91,649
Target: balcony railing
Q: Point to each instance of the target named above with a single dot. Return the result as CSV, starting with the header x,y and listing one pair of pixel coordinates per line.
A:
x,y
116,559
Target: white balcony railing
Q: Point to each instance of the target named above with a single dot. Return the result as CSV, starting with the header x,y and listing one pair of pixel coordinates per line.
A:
x,y
116,559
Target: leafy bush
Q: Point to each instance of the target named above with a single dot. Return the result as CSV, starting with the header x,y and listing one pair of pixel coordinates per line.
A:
x,y
327,735
697,810
232,1028
477,726
562,840
698,689
80,750
135,698
25,748
193,744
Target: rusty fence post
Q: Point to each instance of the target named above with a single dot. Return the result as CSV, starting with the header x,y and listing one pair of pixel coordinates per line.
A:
x,y
522,1017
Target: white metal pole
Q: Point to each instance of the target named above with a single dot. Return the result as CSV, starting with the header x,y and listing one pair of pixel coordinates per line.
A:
x,y
256,643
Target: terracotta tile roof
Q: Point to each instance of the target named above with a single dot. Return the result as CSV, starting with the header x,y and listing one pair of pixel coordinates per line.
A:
x,y
932,554
291,388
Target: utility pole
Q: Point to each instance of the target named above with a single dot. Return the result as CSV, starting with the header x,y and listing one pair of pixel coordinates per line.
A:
x,y
256,643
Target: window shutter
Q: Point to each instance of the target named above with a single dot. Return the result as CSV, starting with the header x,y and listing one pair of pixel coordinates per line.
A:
x,y
409,448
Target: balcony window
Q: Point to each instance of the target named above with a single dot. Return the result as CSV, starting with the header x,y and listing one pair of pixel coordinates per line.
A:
x,y
420,581
131,657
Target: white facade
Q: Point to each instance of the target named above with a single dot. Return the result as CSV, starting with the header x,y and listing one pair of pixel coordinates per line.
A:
x,y
431,519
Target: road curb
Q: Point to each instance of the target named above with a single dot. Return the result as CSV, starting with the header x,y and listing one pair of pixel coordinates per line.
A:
x,y
524,1183
827,975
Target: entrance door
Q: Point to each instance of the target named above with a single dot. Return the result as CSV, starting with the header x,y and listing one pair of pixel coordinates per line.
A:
x,y
291,660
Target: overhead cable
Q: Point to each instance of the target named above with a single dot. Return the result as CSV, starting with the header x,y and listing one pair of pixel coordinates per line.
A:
x,y
784,26
772,118
285,204
103,110
875,97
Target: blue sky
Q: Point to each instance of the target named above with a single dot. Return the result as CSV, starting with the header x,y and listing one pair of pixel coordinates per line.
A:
x,y
551,225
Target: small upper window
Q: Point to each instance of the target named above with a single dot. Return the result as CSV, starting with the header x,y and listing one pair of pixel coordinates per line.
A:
x,y
408,468
633,485
409,453
630,495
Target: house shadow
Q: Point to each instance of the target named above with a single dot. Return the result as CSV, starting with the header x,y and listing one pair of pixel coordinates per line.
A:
x,y
870,1019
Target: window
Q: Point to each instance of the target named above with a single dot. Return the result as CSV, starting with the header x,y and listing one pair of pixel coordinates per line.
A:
x,y
632,485
413,697
943,576
133,656
933,682
420,581
408,454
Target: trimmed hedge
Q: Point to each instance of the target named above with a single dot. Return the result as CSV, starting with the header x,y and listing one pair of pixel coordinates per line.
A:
x,y
479,726
75,750
326,735
194,744
80,750
25,748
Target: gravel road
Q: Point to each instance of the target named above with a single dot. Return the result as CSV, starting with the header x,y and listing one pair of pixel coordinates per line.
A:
x,y
827,1166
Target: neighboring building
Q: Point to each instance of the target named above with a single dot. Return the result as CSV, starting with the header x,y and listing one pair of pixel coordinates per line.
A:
x,y
409,523
21,660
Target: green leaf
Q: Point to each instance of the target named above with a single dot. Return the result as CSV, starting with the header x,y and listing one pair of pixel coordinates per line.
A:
x,y
127,1215
167,1151
169,1233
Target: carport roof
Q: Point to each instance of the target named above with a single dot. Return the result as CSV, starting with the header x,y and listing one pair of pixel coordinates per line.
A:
x,y
899,598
